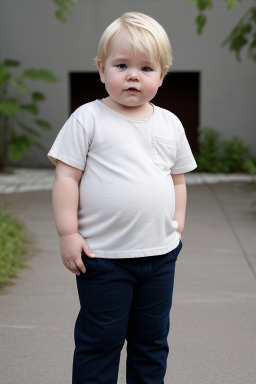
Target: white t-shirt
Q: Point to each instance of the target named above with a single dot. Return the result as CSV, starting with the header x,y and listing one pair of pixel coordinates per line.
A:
x,y
127,198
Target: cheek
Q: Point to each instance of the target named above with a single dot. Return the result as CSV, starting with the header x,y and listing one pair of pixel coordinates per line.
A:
x,y
152,87
114,83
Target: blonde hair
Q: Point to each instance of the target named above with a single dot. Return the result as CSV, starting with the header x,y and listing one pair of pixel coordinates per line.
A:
x,y
145,33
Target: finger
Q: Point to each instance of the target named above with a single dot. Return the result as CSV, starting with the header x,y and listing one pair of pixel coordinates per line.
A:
x,y
73,268
80,265
66,264
87,250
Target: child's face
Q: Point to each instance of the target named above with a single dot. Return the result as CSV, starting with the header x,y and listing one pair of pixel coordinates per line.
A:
x,y
130,78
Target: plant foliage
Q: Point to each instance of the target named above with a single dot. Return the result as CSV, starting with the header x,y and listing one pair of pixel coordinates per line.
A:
x,y
63,9
13,240
19,109
225,156
241,36
208,144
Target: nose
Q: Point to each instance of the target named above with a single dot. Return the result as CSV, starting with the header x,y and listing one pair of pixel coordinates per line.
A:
x,y
133,75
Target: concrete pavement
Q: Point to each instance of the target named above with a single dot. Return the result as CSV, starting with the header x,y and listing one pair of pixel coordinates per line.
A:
x,y
213,320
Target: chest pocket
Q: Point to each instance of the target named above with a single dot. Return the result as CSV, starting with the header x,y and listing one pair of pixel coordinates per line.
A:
x,y
163,152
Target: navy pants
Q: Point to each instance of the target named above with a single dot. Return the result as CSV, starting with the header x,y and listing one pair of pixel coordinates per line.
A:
x,y
124,299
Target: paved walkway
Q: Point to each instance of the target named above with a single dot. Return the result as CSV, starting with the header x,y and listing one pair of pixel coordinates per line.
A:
x,y
213,321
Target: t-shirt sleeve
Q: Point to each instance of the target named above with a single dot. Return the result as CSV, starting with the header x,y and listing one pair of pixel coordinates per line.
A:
x,y
185,161
71,145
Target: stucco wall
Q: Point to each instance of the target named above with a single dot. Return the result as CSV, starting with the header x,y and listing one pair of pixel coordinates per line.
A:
x,y
30,32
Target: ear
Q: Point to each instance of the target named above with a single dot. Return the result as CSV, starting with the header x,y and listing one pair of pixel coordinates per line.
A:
x,y
164,71
101,69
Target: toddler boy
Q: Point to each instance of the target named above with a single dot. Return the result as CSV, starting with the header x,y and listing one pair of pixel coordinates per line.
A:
x,y
119,200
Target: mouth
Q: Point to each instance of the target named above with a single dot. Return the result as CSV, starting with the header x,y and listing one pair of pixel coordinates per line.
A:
x,y
132,90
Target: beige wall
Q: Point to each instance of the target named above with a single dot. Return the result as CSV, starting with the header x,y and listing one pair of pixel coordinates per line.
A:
x,y
29,32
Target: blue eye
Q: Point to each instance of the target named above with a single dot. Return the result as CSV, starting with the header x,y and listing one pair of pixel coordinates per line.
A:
x,y
146,69
122,66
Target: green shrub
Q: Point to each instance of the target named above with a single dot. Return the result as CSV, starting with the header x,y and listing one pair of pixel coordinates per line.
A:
x,y
234,154
223,156
250,165
208,154
20,125
13,245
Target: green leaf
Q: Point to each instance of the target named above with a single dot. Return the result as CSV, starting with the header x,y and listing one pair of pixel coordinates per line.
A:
x,y
10,107
4,74
38,96
48,76
230,37
253,14
40,74
17,83
204,4
63,9
230,3
29,130
200,20
61,16
11,63
31,108
43,124
252,49
61,4
238,43
246,29
253,44
32,74
73,2
18,147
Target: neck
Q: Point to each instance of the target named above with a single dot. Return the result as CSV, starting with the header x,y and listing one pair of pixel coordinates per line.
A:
x,y
140,111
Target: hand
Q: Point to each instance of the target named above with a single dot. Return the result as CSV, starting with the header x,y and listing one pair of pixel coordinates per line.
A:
x,y
71,247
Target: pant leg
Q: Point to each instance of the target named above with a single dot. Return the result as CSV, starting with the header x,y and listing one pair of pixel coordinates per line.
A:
x,y
148,328
105,293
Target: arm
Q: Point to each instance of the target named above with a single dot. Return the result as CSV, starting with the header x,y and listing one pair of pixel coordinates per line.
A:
x,y
180,201
65,197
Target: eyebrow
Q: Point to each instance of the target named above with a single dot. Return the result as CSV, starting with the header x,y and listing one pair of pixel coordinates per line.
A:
x,y
123,58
